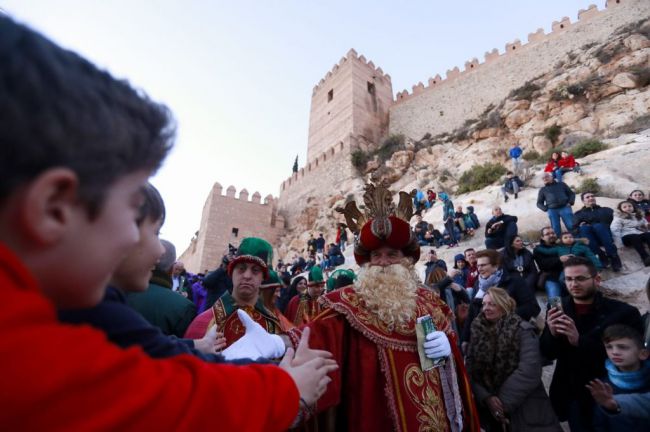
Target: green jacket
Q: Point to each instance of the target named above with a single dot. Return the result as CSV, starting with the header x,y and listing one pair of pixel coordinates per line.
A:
x,y
163,308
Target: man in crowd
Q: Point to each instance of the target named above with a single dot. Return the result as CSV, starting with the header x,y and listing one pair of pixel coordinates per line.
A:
x,y
515,154
159,305
512,184
304,307
432,263
320,246
420,229
470,257
573,336
334,257
180,282
217,282
248,269
592,222
371,329
556,199
550,262
500,230
77,149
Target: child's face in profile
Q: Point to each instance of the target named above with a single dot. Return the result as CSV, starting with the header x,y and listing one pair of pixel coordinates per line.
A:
x,y
625,354
567,239
134,272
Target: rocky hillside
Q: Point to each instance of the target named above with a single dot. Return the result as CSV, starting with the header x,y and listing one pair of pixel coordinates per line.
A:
x,y
596,101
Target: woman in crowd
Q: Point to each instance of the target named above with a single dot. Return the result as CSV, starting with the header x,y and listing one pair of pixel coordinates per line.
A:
x,y
630,228
505,367
637,198
553,166
448,216
517,260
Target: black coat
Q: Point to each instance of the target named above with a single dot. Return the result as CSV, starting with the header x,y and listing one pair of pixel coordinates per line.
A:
x,y
507,229
529,273
527,306
593,215
216,284
547,262
576,366
554,196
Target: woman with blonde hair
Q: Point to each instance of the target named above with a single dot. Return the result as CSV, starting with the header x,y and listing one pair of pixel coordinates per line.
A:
x,y
505,369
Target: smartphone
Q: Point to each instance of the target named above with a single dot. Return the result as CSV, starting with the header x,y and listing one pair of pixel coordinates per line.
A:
x,y
555,302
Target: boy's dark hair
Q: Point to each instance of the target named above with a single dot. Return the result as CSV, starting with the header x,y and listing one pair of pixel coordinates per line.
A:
x,y
575,261
621,331
58,110
153,206
582,195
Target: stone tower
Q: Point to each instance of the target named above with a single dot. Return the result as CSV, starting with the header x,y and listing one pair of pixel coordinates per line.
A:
x,y
350,106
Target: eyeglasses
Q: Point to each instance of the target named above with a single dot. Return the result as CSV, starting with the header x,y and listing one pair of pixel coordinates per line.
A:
x,y
578,279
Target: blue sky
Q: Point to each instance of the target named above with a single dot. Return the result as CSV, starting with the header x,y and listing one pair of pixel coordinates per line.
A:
x,y
238,75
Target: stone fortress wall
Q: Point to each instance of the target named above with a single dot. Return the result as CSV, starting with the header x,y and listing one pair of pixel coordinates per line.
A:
x,y
222,215
445,104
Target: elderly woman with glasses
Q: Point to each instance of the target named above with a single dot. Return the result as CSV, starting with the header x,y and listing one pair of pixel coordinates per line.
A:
x,y
505,369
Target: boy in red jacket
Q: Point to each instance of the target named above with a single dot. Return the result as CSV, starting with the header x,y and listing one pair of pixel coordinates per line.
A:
x,y
76,149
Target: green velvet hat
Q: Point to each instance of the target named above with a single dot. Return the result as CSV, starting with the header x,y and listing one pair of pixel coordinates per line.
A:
x,y
273,281
315,276
340,278
253,250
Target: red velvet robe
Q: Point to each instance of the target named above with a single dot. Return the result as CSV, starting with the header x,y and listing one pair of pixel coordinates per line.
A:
x,y
302,309
380,385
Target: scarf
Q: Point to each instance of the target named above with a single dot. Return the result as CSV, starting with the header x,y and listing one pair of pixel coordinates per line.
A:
x,y
489,282
629,381
493,350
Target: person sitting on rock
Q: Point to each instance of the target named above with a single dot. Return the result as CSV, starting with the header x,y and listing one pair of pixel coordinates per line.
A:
x,y
420,229
630,228
500,229
553,167
568,163
550,263
637,198
471,220
576,247
512,184
592,222
516,260
459,219
433,237
431,197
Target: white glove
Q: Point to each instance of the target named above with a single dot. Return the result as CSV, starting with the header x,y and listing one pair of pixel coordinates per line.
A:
x,y
437,345
255,343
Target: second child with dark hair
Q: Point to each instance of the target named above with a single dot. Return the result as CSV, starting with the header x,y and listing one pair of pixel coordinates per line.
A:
x,y
628,372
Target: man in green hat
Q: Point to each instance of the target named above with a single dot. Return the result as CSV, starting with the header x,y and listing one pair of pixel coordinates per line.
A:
x,y
248,269
304,307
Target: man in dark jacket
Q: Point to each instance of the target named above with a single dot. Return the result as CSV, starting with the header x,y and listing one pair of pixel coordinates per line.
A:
x,y
432,263
556,199
490,275
420,230
573,336
217,282
592,222
550,263
500,229
512,184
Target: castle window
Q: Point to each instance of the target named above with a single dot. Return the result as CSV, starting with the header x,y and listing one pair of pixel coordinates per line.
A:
x,y
371,88
235,232
330,95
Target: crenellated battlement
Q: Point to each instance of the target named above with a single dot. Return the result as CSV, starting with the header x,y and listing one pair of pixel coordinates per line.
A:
x,y
231,192
511,48
351,56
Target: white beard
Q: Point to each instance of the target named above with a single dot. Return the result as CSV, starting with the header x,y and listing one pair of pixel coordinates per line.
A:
x,y
389,292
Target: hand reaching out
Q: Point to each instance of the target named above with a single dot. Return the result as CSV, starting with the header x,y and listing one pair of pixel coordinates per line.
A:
x,y
212,343
603,394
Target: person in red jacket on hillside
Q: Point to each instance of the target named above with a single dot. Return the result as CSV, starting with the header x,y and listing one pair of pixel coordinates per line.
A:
x,y
77,149
568,163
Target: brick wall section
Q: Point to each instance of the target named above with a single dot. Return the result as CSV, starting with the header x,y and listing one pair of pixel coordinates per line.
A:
x,y
465,95
222,213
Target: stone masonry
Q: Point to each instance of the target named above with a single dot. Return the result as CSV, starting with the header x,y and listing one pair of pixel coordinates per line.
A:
x,y
228,219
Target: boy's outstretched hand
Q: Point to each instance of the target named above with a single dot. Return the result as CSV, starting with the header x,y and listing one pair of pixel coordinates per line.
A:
x,y
603,394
